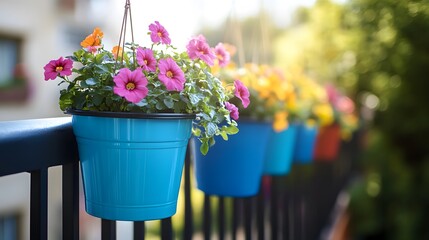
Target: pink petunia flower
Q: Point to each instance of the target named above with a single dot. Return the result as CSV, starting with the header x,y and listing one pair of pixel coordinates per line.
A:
x,y
242,93
199,48
222,55
332,93
171,75
60,67
92,49
131,85
158,33
345,104
146,59
233,110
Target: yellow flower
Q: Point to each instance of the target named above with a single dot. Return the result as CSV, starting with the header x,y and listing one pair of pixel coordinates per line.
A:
x,y
280,121
324,113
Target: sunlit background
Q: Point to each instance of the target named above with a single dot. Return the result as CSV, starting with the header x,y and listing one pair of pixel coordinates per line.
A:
x,y
375,51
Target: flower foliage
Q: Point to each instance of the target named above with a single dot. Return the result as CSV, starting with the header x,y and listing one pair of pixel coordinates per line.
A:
x,y
154,79
311,103
264,92
344,111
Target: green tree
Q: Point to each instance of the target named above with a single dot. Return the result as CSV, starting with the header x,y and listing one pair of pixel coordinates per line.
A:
x,y
378,47
320,43
392,62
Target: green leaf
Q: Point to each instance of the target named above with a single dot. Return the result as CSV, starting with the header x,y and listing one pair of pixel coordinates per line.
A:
x,y
90,81
195,98
224,135
83,84
142,103
80,100
102,69
211,129
204,149
169,103
159,106
196,132
231,130
97,99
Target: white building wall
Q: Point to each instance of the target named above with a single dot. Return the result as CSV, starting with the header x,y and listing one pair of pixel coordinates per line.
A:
x,y
48,32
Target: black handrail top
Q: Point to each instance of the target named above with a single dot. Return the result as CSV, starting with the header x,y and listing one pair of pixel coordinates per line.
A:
x,y
28,145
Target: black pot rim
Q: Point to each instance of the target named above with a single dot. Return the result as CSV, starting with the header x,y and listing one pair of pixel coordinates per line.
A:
x,y
137,115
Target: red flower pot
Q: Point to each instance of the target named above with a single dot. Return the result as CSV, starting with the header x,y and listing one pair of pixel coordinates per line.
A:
x,y
327,143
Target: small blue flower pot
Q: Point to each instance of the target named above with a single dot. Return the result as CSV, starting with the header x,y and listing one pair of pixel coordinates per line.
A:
x,y
233,168
131,163
305,143
280,149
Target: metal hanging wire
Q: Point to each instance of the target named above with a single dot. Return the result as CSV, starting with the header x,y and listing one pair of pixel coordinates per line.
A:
x,y
256,46
237,34
121,43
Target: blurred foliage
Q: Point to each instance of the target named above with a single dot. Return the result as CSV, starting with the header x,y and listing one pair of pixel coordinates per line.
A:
x,y
251,36
377,51
393,62
376,47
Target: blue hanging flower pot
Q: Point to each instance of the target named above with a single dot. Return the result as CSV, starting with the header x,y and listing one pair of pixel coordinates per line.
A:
x,y
305,143
233,168
131,163
280,150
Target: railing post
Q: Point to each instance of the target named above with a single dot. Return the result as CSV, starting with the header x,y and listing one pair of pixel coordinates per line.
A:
x,y
39,205
71,201
139,230
247,216
207,220
187,232
221,218
166,229
274,211
235,217
286,213
108,229
260,219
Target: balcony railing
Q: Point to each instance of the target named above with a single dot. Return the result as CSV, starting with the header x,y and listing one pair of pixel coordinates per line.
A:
x,y
296,206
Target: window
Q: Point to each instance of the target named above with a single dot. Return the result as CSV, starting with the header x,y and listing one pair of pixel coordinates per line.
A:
x,y
9,227
13,80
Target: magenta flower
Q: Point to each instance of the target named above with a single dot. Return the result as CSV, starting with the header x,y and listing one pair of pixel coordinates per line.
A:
x,y
158,33
233,110
171,75
131,85
222,55
146,59
199,48
242,93
60,67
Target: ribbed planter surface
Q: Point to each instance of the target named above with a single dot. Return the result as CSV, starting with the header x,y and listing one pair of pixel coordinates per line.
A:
x,y
131,163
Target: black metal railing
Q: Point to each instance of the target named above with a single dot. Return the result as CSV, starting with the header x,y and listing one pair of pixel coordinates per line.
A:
x,y
296,206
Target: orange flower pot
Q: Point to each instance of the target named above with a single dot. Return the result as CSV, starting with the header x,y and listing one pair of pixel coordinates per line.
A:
x,y
327,143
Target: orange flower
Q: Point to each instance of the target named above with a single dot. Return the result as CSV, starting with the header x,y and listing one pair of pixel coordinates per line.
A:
x,y
117,51
94,39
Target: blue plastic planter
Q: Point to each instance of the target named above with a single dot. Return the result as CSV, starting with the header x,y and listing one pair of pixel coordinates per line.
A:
x,y
131,163
233,168
279,157
305,143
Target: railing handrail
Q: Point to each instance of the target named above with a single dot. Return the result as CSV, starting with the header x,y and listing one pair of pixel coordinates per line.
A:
x,y
21,141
